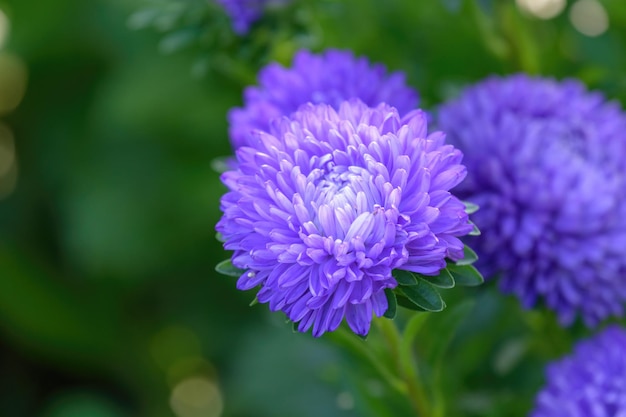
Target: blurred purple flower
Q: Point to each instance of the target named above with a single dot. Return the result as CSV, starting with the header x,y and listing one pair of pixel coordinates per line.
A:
x,y
330,78
589,383
244,13
547,165
324,205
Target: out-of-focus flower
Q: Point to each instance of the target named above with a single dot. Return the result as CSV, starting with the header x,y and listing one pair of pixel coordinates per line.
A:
x,y
244,13
327,203
330,78
590,382
547,165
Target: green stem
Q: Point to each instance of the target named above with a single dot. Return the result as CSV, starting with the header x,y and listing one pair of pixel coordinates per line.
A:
x,y
402,352
349,340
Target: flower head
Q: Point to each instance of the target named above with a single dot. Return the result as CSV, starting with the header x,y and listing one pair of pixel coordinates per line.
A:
x,y
244,13
547,165
329,78
327,203
590,382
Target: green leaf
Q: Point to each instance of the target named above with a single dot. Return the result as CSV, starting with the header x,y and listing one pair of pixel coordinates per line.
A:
x,y
403,301
475,231
392,304
470,207
254,302
227,268
424,295
219,237
469,256
465,275
404,277
443,280
178,40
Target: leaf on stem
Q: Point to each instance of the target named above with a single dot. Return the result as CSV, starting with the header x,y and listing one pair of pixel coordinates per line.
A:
x,y
469,256
470,207
443,280
404,277
392,304
465,275
227,268
424,295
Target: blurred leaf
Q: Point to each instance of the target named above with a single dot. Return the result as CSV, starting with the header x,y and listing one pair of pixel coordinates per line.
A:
x,y
48,318
452,5
82,404
469,256
227,268
178,40
475,231
470,208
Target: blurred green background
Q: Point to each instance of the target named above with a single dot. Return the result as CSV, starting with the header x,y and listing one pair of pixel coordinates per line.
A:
x,y
109,303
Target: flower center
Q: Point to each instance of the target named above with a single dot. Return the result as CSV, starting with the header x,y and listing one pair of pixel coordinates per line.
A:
x,y
340,186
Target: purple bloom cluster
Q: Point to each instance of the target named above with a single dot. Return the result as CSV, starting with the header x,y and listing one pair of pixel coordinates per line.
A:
x,y
547,165
326,203
589,383
244,13
330,78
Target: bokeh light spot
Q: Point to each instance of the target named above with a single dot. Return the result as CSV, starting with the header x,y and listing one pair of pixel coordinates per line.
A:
x,y
4,28
345,401
543,9
196,397
589,17
12,82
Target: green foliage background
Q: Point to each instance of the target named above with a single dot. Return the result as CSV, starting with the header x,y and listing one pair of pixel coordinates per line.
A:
x,y
108,295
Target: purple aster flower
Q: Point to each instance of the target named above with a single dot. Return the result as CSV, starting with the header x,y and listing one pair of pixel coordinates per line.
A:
x,y
589,383
327,203
244,13
329,78
546,163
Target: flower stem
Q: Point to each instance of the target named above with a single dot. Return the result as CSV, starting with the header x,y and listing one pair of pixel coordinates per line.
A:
x,y
349,340
402,352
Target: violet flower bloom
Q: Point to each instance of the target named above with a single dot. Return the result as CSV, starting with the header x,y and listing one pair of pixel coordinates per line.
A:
x,y
243,13
589,383
547,165
327,203
330,78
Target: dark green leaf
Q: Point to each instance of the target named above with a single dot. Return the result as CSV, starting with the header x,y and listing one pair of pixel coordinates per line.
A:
x,y
391,303
404,277
465,275
469,256
470,207
424,295
403,301
443,280
227,268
